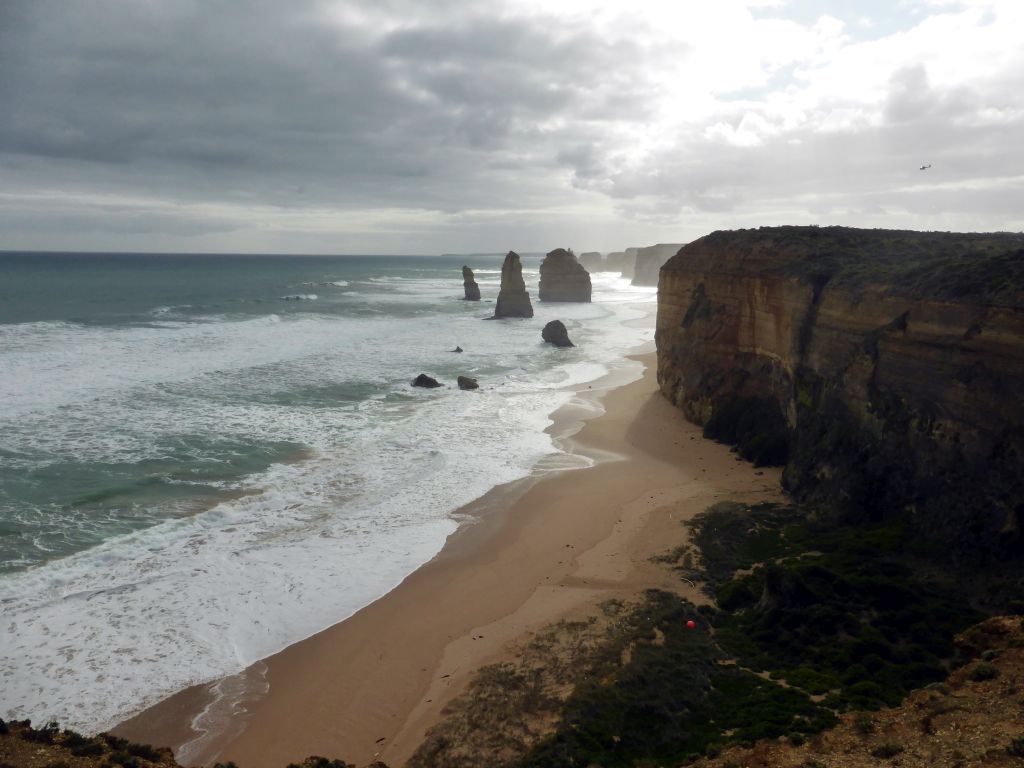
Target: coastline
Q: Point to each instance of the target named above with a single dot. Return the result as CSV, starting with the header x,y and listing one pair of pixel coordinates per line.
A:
x,y
531,553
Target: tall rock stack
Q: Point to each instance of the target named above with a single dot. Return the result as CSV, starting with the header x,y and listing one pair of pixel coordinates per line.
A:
x,y
563,278
469,285
513,300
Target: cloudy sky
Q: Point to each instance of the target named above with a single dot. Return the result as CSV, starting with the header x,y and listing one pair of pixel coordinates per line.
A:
x,y
428,126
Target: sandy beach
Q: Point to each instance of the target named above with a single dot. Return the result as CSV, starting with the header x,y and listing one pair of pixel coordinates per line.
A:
x,y
532,554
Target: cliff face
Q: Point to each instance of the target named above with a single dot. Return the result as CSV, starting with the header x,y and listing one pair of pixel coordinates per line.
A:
x,y
563,278
628,262
649,261
884,369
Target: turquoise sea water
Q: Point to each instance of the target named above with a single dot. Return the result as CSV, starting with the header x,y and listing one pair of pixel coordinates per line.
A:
x,y
206,458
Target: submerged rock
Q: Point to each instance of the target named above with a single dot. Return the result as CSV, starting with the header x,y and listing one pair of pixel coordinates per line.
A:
x,y
425,381
563,278
513,300
469,285
457,349
465,382
555,333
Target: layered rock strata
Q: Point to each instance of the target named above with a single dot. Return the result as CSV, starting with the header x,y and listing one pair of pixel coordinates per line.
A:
x,y
649,260
472,290
563,278
883,368
513,300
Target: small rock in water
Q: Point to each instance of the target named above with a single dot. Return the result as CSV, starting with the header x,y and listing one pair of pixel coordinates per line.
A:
x,y
457,349
555,333
425,381
467,383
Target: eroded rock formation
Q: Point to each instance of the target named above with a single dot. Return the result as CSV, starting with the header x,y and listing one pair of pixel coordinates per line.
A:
x,y
556,333
648,262
563,278
428,382
469,285
883,368
513,300
465,382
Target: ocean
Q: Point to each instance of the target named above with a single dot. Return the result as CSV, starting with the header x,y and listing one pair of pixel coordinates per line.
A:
x,y
204,459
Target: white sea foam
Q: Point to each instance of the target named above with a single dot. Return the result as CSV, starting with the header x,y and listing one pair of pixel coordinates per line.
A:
x,y
92,638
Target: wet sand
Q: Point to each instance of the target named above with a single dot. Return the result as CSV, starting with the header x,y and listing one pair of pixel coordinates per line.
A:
x,y
532,554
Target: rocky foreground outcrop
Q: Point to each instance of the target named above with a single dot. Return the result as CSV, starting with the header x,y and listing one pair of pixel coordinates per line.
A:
x,y
649,260
883,368
563,278
472,290
513,300
22,746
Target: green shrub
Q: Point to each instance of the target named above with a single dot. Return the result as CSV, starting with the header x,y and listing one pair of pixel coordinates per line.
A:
x,y
863,723
89,749
982,672
887,750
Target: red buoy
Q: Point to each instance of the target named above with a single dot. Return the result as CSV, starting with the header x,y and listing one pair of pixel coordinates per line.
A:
x,y
691,624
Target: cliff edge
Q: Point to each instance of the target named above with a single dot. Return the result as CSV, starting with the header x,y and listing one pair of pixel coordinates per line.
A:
x,y
883,368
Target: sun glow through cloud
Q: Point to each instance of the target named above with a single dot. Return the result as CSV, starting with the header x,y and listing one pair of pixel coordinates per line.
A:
x,y
432,127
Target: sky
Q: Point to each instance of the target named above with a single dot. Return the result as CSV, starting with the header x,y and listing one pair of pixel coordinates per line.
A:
x,y
433,126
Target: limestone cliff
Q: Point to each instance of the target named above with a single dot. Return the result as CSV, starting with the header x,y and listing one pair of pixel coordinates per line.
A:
x,y
649,260
885,369
628,262
513,300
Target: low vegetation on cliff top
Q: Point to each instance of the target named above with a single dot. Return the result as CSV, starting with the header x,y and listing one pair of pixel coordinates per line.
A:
x,y
810,624
986,267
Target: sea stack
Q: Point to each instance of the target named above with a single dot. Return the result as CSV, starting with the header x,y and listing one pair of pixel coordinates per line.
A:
x,y
563,278
513,300
469,284
555,333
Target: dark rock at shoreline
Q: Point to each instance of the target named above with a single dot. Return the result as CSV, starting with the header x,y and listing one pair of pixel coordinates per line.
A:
x,y
563,278
469,285
426,381
465,382
555,333
513,300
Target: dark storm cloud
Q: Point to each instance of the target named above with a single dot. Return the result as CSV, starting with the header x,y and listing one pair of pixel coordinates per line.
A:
x,y
230,101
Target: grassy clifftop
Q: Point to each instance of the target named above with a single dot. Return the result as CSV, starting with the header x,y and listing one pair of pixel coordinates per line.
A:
x,y
976,267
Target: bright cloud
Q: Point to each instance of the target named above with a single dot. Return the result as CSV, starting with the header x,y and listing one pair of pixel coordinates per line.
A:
x,y
345,126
